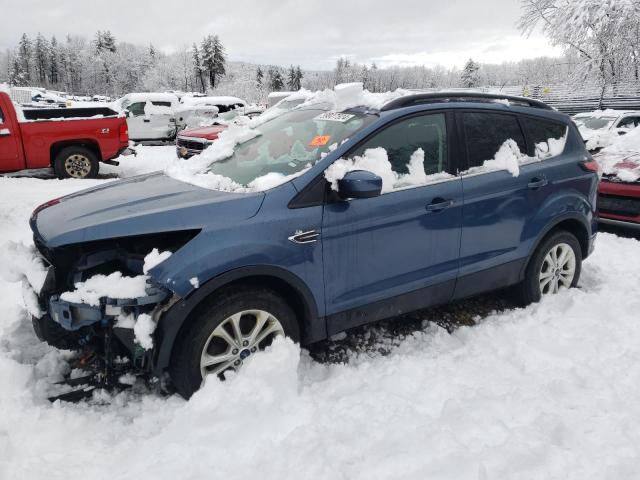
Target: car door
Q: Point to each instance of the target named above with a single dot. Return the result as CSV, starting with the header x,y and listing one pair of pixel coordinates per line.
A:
x,y
498,204
138,128
9,149
397,252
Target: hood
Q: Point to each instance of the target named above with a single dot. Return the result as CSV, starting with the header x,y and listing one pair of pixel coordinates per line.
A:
x,y
141,205
621,166
210,133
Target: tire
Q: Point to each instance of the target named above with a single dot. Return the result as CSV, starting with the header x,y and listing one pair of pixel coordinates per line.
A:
x,y
541,268
76,162
203,334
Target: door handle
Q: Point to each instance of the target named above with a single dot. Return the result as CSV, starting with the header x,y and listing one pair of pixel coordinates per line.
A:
x,y
537,182
439,204
146,120
5,132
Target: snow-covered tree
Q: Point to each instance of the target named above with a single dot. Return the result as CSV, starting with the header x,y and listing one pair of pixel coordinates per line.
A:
x,y
259,77
41,56
469,76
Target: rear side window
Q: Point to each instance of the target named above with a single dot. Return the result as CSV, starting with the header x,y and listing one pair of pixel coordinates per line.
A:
x,y
547,138
629,122
137,108
1,116
485,133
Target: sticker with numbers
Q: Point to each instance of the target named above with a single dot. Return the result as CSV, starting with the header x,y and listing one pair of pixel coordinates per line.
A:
x,y
334,117
319,140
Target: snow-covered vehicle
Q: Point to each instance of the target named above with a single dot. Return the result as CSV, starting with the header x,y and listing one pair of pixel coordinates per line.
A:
x,y
619,189
600,128
192,141
312,223
275,97
150,116
196,111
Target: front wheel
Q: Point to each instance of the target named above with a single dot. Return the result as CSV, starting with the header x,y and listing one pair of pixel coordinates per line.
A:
x,y
556,264
76,162
225,332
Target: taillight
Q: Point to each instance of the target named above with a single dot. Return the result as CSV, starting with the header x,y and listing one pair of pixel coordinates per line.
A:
x,y
124,133
590,166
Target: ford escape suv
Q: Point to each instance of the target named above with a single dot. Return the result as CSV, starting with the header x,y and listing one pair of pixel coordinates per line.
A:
x,y
429,199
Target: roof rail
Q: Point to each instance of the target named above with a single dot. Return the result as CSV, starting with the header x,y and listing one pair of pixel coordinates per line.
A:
x,y
443,97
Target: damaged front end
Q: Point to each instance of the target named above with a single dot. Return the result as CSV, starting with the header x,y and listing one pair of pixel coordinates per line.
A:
x,y
102,330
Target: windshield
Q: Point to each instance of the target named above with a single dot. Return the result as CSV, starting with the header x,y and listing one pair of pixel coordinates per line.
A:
x,y
289,143
594,123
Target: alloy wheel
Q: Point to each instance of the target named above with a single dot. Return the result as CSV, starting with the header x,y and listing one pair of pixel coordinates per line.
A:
x,y
236,338
77,166
558,269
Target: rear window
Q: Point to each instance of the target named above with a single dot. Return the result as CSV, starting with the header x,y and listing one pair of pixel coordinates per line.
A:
x,y
485,133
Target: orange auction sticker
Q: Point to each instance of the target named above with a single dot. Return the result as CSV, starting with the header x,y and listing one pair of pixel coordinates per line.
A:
x,y
319,140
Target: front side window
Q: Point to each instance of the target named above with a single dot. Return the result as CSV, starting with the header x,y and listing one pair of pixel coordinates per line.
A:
x,y
487,133
629,122
409,153
137,108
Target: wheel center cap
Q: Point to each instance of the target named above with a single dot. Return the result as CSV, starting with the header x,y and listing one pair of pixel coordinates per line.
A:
x,y
244,354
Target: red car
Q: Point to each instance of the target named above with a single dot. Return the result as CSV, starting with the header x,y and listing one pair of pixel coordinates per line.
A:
x,y
193,141
619,190
71,140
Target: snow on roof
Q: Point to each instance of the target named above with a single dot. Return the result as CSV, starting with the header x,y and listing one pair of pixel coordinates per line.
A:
x,y
4,88
217,100
279,94
350,95
151,97
609,112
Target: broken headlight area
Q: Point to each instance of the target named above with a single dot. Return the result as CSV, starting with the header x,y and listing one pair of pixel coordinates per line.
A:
x,y
101,329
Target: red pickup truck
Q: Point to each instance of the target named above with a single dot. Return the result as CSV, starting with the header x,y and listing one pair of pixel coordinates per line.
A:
x,y
70,140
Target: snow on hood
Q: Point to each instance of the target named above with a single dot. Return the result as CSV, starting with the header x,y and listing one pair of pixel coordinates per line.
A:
x,y
622,157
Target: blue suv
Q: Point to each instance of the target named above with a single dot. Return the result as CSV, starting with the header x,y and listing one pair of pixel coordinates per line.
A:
x,y
427,206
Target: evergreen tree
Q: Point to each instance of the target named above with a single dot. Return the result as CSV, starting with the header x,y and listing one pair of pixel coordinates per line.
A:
x,y
198,67
42,53
54,62
152,51
276,82
21,73
219,61
299,77
469,75
259,77
291,78
109,41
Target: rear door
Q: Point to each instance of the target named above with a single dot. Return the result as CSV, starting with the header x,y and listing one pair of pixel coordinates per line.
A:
x,y
500,216
396,252
10,159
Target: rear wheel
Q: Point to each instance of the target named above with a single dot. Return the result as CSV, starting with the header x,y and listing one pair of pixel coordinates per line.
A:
x,y
76,162
225,332
556,264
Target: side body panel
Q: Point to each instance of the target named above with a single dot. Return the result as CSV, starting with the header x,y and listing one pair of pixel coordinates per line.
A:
x,y
11,153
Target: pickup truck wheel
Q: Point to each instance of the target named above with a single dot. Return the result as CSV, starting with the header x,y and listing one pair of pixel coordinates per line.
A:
x,y
76,162
556,264
225,331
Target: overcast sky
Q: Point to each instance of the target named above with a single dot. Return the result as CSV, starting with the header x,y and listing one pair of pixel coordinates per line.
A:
x,y
283,32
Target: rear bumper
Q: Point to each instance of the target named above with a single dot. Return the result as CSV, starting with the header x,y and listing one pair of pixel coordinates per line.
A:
x,y
633,225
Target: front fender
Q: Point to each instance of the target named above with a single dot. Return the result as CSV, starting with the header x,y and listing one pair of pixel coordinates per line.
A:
x,y
173,319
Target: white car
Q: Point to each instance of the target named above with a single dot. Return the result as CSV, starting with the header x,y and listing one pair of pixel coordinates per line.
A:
x,y
196,111
150,116
601,127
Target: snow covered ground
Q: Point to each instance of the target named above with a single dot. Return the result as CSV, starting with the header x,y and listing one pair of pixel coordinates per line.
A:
x,y
550,391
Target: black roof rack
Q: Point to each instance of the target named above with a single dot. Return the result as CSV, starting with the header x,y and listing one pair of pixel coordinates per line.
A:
x,y
443,97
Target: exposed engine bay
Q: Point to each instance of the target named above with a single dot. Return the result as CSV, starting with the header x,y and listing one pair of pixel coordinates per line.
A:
x,y
102,330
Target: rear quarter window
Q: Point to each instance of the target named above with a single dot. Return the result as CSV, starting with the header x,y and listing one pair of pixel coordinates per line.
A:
x,y
546,138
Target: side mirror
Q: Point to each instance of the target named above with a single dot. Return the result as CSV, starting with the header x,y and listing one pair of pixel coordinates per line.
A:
x,y
359,184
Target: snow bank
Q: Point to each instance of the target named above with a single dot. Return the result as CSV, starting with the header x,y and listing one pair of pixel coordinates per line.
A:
x,y
547,391
19,262
376,161
114,285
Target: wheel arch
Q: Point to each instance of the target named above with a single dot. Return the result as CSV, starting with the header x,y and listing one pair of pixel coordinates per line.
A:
x,y
571,223
179,315
89,144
